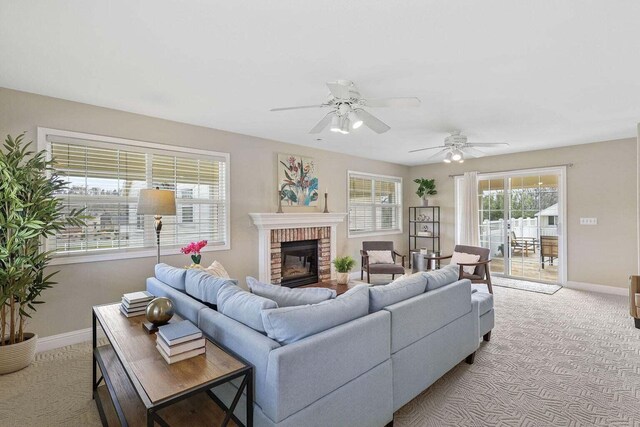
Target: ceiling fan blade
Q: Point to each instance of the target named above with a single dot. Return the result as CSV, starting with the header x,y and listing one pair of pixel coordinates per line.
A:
x,y
375,124
392,102
322,123
427,148
339,90
299,108
472,152
487,144
440,155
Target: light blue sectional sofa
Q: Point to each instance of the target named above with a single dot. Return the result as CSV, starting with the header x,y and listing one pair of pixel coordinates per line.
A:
x,y
347,361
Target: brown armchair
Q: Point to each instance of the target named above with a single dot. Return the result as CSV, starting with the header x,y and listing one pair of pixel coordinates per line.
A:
x,y
481,273
392,269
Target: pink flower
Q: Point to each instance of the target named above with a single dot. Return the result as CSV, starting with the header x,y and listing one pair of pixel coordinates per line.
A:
x,y
194,247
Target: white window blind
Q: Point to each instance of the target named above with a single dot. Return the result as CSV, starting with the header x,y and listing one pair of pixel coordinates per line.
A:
x,y
105,178
375,204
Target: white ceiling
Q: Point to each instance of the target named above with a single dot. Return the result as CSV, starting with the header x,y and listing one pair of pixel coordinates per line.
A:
x,y
535,74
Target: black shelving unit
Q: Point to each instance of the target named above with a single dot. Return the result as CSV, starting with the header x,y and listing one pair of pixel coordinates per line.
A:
x,y
422,221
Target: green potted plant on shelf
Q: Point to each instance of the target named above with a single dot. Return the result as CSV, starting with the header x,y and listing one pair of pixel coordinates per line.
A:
x,y
426,187
29,213
343,266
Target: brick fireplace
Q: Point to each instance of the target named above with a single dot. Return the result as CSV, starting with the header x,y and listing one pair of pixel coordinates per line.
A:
x,y
275,229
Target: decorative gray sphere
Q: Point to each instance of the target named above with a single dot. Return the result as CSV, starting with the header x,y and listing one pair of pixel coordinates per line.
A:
x,y
159,311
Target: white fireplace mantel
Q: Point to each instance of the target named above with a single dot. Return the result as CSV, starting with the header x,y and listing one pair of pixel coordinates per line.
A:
x,y
265,222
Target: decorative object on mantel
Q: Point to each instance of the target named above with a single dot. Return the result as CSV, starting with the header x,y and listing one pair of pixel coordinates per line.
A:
x,y
297,180
30,212
326,205
194,249
343,266
159,312
279,202
426,187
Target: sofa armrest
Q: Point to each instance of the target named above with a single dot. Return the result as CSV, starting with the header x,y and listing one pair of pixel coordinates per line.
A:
x,y
307,370
417,317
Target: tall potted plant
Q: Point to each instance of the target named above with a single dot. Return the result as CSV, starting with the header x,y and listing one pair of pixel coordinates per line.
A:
x,y
343,267
29,213
426,187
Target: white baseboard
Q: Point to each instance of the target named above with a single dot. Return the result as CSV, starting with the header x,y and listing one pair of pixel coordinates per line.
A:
x,y
592,287
64,339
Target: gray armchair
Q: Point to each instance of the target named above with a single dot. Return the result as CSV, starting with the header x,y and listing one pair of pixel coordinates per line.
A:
x,y
392,269
481,273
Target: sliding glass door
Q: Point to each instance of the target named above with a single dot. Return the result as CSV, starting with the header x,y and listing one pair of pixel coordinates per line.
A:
x,y
521,223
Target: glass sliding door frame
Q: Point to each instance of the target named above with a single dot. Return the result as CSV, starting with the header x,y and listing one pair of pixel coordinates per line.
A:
x,y
561,172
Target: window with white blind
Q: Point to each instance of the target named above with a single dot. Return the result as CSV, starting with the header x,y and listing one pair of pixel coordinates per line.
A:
x,y
105,177
375,204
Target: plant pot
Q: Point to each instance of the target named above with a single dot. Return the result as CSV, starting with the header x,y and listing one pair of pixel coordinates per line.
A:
x,y
342,278
425,202
18,356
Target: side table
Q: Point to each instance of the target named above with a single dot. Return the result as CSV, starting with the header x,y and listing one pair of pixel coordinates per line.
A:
x,y
137,386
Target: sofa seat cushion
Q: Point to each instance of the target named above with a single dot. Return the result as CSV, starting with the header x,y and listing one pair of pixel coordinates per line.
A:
x,y
288,297
439,278
172,276
485,302
290,324
243,306
203,286
399,290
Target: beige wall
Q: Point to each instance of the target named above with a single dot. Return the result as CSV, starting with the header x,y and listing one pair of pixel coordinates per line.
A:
x,y
253,180
601,184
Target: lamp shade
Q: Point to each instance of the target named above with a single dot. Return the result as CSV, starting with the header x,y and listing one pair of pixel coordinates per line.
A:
x,y
157,202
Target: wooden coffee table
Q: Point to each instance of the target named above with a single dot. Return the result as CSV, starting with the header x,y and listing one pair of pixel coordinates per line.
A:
x,y
333,284
138,387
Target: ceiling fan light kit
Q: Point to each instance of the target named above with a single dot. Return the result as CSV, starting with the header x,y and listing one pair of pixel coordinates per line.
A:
x,y
347,109
456,148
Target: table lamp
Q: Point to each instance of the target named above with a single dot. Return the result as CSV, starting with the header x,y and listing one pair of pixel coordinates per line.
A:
x,y
157,202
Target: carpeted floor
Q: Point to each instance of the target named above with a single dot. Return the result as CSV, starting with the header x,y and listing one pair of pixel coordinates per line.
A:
x,y
568,359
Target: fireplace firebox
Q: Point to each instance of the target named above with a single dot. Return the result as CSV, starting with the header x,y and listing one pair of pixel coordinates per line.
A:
x,y
299,263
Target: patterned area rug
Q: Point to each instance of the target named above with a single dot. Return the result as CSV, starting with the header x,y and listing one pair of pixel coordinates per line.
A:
x,y
525,285
570,360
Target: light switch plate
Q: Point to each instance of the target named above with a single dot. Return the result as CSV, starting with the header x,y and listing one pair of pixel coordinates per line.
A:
x,y
588,221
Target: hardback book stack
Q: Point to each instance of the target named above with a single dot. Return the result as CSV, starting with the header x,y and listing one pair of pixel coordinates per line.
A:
x,y
135,303
179,341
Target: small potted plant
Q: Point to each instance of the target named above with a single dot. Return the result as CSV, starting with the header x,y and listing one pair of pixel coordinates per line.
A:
x,y
343,266
194,249
426,187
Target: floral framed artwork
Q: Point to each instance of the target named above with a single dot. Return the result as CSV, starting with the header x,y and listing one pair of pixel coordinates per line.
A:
x,y
297,180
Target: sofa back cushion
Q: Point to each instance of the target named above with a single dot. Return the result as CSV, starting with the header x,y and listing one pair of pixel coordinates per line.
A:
x,y
288,297
201,285
172,276
400,289
444,276
290,324
243,306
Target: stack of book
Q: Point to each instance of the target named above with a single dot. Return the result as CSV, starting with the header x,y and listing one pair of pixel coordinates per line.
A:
x,y
179,341
135,303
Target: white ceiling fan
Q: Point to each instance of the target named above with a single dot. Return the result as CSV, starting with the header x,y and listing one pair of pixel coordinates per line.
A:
x,y
456,148
347,109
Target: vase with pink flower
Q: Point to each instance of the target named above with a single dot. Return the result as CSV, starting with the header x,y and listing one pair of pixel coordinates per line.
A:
x,y
194,249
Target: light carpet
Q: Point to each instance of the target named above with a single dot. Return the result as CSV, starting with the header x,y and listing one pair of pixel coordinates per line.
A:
x,y
572,359
525,285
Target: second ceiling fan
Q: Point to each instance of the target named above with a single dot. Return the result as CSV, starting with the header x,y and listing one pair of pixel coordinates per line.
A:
x,y
456,148
347,109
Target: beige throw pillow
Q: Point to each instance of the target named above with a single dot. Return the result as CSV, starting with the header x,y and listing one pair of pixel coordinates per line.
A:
x,y
464,258
216,269
380,257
